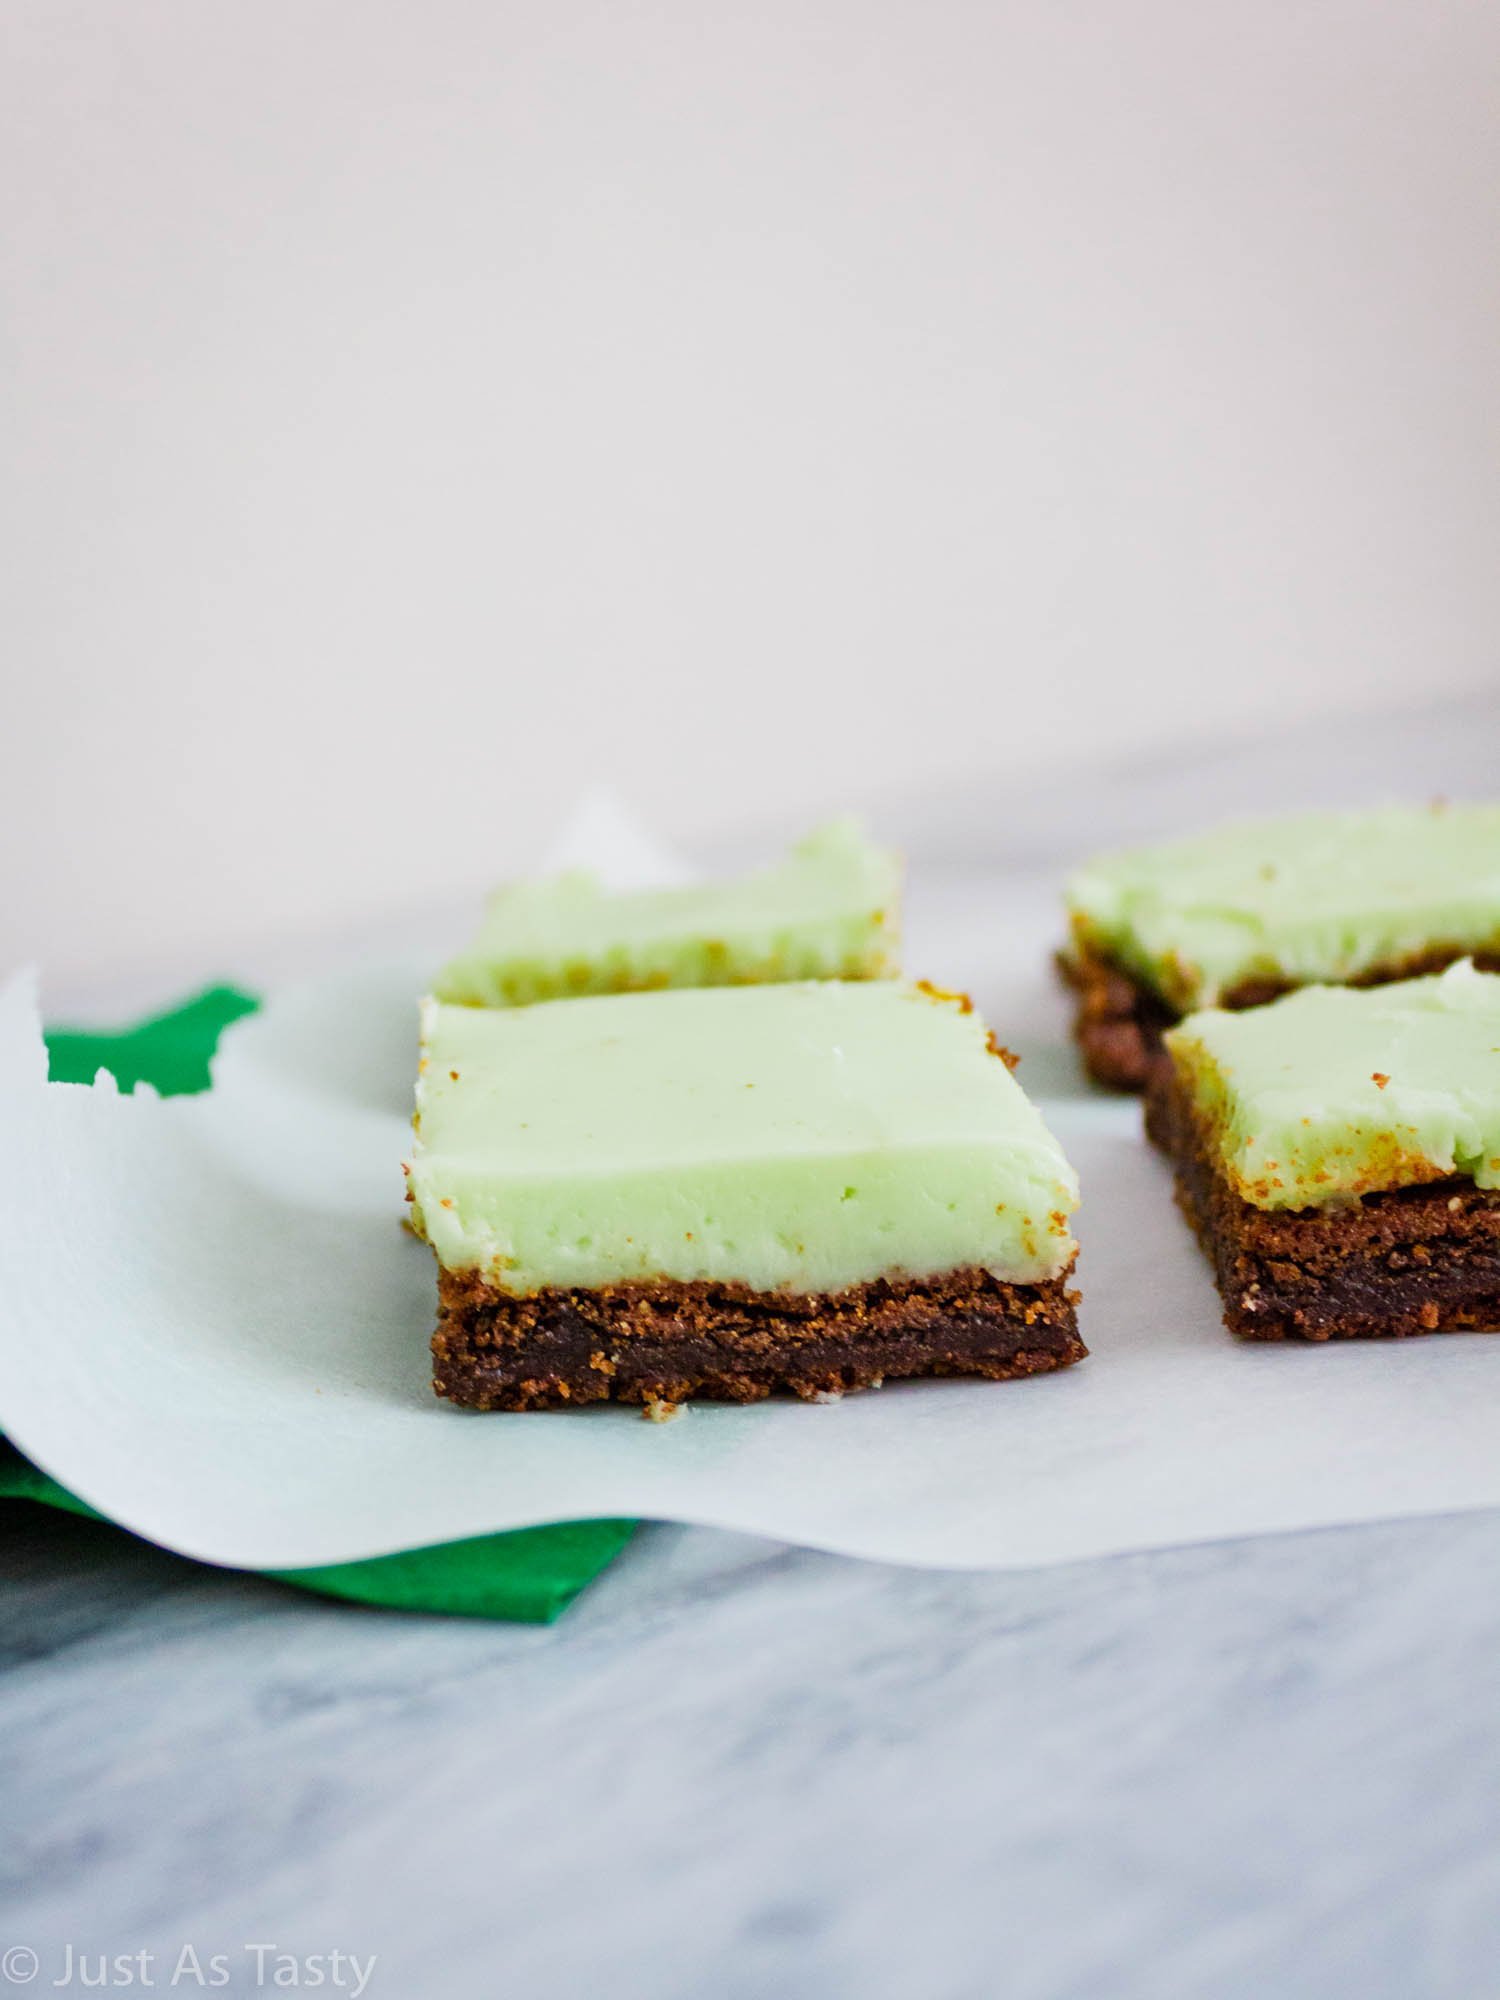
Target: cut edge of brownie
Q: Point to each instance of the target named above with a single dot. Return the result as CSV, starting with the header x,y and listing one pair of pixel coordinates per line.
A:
x,y
670,1341
1411,1260
1119,1020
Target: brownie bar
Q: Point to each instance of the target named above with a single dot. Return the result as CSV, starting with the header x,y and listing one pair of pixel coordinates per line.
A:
x,y
1119,1022
1412,1260
668,1341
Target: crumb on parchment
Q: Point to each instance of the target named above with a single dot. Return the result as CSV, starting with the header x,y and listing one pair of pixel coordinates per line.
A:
x,y
657,1410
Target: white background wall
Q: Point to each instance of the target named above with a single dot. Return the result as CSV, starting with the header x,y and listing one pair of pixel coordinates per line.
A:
x,y
418,411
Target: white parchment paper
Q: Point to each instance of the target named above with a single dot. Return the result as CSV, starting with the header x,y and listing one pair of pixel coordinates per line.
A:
x,y
213,1328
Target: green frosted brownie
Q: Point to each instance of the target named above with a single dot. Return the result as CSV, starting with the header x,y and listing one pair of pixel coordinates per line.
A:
x,y
1338,1152
1235,917
722,1192
830,910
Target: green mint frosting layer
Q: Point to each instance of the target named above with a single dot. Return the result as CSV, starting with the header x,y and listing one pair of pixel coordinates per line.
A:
x,y
1340,1091
1319,897
796,1137
829,911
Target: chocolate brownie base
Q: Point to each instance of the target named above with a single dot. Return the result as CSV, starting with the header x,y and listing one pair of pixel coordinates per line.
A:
x,y
1412,1260
668,1341
1119,1022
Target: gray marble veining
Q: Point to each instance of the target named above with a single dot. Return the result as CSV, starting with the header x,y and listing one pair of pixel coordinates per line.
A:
x,y
1266,1768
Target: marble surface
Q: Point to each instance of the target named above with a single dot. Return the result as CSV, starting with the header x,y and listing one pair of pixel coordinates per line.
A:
x,y
1266,1768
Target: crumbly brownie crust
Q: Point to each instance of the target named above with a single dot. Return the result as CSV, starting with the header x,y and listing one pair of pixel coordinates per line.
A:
x,y
669,1341
1411,1260
1119,1022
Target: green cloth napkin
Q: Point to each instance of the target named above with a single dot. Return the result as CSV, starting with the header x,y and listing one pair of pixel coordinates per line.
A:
x,y
530,1575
